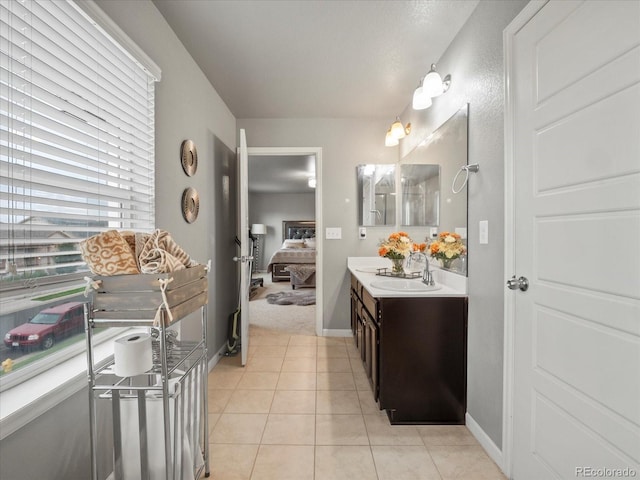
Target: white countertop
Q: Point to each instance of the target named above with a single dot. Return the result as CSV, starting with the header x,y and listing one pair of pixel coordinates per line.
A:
x,y
452,284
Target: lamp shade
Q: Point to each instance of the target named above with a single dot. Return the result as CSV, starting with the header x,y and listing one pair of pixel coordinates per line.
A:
x,y
397,129
420,99
390,140
259,229
432,84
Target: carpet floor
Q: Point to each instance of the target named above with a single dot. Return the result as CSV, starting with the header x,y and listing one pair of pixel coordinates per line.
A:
x,y
292,319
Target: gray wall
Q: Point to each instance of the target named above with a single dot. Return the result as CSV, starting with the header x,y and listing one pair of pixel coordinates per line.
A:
x,y
345,143
475,61
271,209
55,445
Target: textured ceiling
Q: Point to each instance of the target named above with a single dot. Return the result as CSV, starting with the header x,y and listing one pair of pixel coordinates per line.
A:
x,y
315,59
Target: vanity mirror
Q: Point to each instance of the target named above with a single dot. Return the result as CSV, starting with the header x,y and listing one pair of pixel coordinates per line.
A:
x,y
445,148
420,201
376,195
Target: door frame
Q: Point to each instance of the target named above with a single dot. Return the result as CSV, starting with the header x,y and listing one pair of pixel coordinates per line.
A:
x,y
317,152
508,37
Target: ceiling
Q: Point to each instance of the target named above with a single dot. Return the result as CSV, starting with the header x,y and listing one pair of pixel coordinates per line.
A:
x,y
314,58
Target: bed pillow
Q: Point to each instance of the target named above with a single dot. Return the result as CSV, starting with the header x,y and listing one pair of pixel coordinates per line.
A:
x,y
293,243
310,242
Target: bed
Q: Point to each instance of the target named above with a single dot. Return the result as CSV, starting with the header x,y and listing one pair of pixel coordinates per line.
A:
x,y
295,261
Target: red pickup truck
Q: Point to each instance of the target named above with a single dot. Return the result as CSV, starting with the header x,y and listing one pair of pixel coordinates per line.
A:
x,y
48,326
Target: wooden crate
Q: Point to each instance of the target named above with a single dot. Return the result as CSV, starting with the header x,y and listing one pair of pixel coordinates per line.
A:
x,y
139,296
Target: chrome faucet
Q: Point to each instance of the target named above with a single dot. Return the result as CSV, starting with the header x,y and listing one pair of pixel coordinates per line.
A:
x,y
427,276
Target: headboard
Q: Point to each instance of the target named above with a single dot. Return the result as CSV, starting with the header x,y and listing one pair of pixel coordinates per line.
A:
x,y
298,229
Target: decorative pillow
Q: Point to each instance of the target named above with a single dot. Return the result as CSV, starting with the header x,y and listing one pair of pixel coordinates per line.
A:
x,y
293,243
310,242
108,253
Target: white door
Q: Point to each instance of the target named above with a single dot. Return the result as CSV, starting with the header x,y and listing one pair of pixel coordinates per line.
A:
x,y
574,80
245,253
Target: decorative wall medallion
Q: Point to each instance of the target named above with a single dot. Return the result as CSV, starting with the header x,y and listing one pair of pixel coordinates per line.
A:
x,y
189,157
190,204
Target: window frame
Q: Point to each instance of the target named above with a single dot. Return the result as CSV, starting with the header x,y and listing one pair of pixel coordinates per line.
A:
x,y
46,382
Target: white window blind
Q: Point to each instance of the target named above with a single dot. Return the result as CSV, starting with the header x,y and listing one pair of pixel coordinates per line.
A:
x,y
76,137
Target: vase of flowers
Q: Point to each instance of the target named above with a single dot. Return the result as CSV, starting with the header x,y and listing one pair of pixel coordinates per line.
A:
x,y
397,247
447,248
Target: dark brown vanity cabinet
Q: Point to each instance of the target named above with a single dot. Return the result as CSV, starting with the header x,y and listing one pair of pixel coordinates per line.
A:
x,y
415,353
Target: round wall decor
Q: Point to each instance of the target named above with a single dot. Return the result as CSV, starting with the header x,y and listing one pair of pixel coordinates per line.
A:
x,y
190,204
189,157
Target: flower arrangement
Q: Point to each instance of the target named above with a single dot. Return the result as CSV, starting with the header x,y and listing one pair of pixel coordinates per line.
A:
x,y
397,247
447,248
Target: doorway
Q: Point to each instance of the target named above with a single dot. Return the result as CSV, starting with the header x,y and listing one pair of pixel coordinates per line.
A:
x,y
272,163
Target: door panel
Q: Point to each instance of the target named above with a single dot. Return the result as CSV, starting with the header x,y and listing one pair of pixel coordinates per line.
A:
x,y
576,150
245,260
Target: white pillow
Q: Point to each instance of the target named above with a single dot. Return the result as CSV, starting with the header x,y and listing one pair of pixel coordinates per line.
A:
x,y
293,243
310,242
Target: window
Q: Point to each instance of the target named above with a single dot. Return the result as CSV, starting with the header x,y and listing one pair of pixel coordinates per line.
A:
x,y
76,158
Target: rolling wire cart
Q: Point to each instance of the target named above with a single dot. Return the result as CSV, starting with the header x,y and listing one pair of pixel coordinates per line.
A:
x,y
160,421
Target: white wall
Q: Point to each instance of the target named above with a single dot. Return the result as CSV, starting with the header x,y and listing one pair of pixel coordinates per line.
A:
x,y
475,61
271,209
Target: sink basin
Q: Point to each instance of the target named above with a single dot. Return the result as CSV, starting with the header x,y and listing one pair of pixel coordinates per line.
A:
x,y
401,285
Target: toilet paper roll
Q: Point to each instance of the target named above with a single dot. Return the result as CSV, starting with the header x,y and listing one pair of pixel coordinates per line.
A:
x,y
132,355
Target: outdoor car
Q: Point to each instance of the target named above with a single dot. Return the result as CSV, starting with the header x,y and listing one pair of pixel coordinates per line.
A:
x,y
47,327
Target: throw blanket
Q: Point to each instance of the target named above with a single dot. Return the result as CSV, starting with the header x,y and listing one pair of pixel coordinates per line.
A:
x,y
120,253
159,253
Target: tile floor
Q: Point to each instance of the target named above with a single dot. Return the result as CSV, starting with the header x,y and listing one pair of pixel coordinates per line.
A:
x,y
302,409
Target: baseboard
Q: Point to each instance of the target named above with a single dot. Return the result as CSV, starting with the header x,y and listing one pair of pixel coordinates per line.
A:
x,y
337,332
485,442
213,361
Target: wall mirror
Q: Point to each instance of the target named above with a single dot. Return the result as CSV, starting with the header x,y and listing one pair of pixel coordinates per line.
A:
x,y
376,194
447,148
420,200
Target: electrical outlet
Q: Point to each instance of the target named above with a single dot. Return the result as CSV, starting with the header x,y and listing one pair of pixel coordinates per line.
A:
x,y
333,233
362,233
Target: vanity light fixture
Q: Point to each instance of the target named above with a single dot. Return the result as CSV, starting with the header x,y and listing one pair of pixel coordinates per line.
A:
x,y
420,99
433,84
311,182
396,132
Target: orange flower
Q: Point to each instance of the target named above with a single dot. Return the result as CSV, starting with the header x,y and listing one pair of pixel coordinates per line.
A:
x,y
419,247
382,251
394,236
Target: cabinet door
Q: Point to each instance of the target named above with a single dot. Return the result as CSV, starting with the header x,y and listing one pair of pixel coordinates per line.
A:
x,y
371,357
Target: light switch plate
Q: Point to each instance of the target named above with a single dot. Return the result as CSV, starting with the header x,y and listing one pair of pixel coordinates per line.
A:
x,y
483,232
362,233
333,233
433,232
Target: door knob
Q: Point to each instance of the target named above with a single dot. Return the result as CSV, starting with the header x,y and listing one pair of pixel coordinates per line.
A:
x,y
521,283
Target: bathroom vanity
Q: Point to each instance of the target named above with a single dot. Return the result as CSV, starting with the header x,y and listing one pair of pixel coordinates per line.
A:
x,y
412,341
